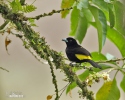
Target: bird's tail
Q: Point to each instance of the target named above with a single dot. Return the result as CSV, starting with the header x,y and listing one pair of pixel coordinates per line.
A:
x,y
94,64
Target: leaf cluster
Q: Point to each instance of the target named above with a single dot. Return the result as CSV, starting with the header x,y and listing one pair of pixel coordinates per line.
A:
x,y
108,18
17,6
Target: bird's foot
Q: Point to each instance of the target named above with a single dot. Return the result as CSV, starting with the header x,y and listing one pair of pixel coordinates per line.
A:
x,y
71,64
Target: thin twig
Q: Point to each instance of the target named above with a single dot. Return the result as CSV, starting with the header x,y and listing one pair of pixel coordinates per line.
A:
x,y
49,14
63,89
112,60
3,25
4,69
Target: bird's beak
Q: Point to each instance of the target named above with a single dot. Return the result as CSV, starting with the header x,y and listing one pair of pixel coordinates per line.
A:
x,y
65,40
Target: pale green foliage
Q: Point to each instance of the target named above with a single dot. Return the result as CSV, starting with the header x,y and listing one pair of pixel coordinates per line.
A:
x,y
17,7
66,4
32,22
28,8
122,84
109,91
108,18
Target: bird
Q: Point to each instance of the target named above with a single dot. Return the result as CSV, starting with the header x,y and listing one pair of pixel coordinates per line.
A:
x,y
77,53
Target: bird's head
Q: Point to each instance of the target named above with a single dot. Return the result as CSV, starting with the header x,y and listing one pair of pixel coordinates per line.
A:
x,y
70,41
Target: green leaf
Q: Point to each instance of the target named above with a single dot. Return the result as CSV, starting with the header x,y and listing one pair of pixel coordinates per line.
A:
x,y
101,4
22,2
109,91
111,18
79,24
118,39
70,87
28,8
87,13
32,22
81,29
98,56
101,25
122,84
82,4
109,56
120,14
66,4
108,1
115,37
104,6
74,20
15,5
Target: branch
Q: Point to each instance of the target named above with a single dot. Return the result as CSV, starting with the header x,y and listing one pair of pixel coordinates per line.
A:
x,y
54,79
48,14
112,60
4,69
3,25
42,49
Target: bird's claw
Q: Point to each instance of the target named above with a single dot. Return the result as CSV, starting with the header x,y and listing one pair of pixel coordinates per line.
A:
x,y
71,64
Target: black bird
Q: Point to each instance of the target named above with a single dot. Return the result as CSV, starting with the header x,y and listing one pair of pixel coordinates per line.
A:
x,y
77,53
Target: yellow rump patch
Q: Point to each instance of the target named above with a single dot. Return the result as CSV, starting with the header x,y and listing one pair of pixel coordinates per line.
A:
x,y
82,57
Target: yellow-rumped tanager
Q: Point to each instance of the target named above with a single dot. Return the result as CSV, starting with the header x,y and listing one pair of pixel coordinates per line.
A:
x,y
77,53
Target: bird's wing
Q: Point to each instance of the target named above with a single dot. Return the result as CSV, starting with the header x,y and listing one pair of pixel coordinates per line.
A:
x,y
81,53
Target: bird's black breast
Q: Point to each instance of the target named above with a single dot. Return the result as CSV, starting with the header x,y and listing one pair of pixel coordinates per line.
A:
x,y
71,55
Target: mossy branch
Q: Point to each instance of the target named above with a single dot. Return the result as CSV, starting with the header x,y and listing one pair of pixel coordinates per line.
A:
x,y
49,14
46,14
43,50
112,60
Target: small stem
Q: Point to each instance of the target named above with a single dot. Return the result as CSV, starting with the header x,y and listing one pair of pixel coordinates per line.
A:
x,y
4,69
33,2
63,89
112,60
116,73
48,14
3,25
